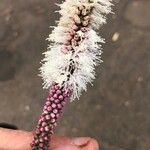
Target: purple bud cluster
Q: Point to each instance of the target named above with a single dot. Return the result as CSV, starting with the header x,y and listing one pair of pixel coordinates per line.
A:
x,y
53,107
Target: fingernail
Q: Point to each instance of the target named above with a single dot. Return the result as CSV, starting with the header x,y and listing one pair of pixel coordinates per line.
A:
x,y
81,141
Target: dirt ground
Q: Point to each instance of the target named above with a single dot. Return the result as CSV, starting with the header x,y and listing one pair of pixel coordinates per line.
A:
x,y
116,110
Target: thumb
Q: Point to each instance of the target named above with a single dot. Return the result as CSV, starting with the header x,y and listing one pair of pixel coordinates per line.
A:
x,y
66,143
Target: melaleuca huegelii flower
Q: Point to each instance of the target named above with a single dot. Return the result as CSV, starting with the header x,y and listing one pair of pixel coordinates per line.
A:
x,y
69,63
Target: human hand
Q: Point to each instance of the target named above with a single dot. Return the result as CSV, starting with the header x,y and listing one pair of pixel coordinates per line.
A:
x,y
65,143
20,140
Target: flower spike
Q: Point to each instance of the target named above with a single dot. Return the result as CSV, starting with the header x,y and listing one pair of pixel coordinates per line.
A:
x,y
69,63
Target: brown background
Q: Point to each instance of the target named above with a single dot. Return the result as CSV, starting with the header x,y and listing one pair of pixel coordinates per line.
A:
x,y
116,110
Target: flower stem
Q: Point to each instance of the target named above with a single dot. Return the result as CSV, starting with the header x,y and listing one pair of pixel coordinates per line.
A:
x,y
55,102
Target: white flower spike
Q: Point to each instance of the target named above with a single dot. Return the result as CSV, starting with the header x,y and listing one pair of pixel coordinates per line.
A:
x,y
75,48
69,63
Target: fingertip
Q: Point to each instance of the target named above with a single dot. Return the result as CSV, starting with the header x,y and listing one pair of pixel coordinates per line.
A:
x,y
80,141
92,145
84,143
57,141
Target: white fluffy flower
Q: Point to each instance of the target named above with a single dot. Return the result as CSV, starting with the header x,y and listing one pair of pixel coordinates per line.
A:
x,y
75,48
